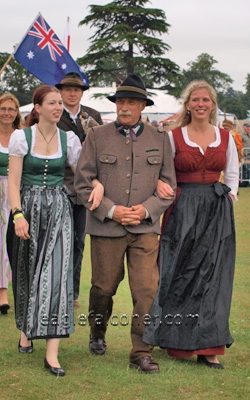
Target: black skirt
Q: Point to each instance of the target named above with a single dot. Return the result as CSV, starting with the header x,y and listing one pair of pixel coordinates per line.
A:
x,y
196,259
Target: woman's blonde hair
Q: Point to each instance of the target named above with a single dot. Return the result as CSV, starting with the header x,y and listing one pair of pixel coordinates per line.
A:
x,y
185,116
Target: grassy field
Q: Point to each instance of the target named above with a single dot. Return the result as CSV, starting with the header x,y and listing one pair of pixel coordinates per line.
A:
x,y
23,377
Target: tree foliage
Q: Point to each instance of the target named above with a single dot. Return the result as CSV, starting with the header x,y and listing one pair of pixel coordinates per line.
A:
x,y
233,102
202,68
17,80
125,41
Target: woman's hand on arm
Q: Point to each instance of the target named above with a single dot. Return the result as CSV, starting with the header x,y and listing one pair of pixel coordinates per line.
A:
x,y
164,190
96,195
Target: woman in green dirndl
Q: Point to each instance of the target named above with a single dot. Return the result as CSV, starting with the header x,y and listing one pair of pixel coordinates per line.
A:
x,y
40,251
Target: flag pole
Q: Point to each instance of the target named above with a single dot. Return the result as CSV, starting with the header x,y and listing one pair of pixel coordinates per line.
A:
x,y
5,64
68,41
66,37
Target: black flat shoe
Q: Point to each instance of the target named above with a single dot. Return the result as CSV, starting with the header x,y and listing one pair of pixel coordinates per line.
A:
x,y
53,370
203,360
4,308
26,350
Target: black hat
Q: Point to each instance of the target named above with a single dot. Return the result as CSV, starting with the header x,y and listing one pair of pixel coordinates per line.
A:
x,y
246,124
72,79
132,87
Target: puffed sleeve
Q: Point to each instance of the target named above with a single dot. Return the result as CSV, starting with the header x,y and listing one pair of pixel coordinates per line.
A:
x,y
18,145
231,171
171,138
74,148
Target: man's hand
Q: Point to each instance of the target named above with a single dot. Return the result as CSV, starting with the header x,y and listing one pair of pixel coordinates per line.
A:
x,y
129,215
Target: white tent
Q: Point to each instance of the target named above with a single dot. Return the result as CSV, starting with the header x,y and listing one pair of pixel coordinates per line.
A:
x,y
164,106
96,97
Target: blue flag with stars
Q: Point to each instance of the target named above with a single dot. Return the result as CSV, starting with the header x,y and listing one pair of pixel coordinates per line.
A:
x,y
42,53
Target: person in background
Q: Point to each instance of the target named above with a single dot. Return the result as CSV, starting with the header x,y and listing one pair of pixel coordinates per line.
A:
x,y
40,240
154,123
229,126
245,135
10,119
168,124
25,121
76,118
127,157
146,121
190,314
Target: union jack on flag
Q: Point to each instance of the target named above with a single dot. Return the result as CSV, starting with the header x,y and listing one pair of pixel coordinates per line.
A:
x,y
43,54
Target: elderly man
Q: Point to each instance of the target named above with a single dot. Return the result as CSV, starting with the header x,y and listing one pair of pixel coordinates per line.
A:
x,y
128,158
71,88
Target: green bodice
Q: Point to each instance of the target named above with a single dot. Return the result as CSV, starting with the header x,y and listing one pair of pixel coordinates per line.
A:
x,y
4,164
44,171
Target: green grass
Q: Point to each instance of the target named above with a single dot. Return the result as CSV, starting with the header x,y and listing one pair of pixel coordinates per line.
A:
x,y
108,377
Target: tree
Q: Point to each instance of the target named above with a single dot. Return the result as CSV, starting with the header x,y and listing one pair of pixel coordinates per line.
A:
x,y
125,42
232,102
246,97
17,80
202,68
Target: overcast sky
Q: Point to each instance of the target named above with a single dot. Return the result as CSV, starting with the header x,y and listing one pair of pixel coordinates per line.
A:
x,y
216,27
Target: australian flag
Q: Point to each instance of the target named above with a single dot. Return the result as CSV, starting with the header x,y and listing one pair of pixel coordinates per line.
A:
x,y
42,53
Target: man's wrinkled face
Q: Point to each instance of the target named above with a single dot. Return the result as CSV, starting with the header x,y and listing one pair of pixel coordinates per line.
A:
x,y
129,110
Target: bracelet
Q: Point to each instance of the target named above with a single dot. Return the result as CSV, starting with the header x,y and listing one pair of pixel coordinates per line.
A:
x,y
18,216
17,210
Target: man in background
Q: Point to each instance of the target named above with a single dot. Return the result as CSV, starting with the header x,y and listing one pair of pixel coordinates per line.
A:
x,y
76,118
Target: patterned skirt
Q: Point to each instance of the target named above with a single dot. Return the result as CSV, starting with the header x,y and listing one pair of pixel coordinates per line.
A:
x,y
42,266
5,271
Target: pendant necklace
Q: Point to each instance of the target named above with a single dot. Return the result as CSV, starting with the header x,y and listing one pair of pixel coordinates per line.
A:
x,y
47,141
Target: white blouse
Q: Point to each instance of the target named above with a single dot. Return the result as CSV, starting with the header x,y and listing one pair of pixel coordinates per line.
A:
x,y
231,171
4,149
18,146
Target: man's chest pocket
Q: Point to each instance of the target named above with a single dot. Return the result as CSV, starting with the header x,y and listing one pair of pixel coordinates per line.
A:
x,y
107,159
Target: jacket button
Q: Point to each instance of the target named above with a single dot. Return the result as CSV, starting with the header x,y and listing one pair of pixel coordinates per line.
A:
x,y
127,191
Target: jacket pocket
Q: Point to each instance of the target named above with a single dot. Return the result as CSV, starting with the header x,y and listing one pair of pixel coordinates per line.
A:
x,y
107,159
154,160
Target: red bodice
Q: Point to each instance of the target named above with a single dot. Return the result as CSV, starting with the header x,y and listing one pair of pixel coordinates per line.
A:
x,y
194,167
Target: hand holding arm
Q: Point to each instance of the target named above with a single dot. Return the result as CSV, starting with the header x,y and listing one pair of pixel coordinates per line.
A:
x,y
96,195
164,190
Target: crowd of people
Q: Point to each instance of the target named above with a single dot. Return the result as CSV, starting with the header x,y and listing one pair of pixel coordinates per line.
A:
x,y
65,174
